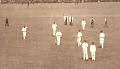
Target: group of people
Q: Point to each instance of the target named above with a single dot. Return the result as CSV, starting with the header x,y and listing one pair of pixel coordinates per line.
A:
x,y
101,37
24,28
68,19
92,23
84,45
58,34
92,46
85,50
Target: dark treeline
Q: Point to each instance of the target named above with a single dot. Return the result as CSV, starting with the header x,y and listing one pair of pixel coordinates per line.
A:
x,y
55,1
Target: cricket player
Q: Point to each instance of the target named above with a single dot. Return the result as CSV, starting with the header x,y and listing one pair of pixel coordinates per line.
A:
x,y
84,47
58,37
79,36
92,22
54,28
83,23
93,50
24,29
66,20
106,25
102,36
6,23
71,20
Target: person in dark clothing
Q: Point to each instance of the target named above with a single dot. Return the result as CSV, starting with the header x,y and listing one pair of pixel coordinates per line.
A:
x,y
71,20
65,20
92,22
6,23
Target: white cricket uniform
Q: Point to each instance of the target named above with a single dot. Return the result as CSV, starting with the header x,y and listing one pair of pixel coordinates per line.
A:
x,y
102,36
24,29
54,27
70,19
65,18
105,19
93,51
83,23
58,36
85,53
79,35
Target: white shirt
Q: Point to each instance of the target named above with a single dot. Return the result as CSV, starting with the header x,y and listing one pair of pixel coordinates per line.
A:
x,y
83,22
79,34
58,34
85,45
102,35
54,26
92,48
24,29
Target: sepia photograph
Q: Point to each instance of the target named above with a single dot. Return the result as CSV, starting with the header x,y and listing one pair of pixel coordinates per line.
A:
x,y
59,34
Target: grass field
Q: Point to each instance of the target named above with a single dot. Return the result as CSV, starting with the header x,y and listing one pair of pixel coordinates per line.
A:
x,y
39,51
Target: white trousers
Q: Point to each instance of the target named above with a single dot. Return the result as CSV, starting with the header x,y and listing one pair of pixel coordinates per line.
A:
x,y
79,41
102,42
83,27
93,55
24,35
54,32
85,54
58,40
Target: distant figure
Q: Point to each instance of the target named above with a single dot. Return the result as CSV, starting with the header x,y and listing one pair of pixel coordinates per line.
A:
x,y
79,36
58,37
54,28
92,22
24,29
85,52
106,25
83,23
65,20
93,50
71,20
6,23
102,36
